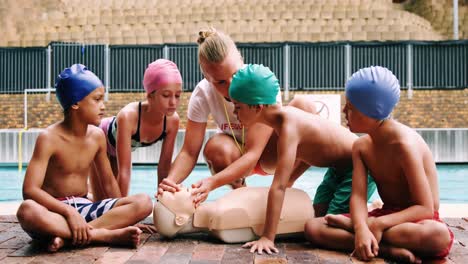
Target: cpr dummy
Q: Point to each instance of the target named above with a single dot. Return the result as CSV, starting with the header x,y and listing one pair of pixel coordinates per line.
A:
x,y
238,216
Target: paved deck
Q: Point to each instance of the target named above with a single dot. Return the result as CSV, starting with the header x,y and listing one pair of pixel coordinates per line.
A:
x,y
17,247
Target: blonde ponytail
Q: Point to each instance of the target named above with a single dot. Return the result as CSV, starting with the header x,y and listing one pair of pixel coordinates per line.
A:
x,y
214,45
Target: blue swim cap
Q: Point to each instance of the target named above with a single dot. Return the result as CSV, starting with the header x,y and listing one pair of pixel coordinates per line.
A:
x,y
374,91
254,85
75,83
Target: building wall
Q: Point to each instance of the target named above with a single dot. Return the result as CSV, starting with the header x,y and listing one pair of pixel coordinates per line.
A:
x,y
426,109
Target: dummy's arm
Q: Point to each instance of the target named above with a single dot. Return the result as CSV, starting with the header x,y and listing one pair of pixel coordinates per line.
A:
x,y
287,148
418,185
167,149
255,143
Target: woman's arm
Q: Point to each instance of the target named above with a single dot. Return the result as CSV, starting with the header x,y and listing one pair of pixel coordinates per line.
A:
x,y
187,157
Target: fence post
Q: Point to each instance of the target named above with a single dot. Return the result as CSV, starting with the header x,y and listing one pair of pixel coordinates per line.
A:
x,y
348,61
25,108
409,61
166,52
455,19
107,71
286,72
49,71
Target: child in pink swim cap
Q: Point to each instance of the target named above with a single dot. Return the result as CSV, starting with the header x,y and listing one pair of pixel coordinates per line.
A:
x,y
160,73
142,124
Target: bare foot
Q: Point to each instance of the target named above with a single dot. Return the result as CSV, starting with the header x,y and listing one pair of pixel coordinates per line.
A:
x,y
147,228
128,236
377,204
55,244
339,221
400,254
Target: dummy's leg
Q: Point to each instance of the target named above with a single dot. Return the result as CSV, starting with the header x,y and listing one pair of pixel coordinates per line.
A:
x,y
36,219
220,151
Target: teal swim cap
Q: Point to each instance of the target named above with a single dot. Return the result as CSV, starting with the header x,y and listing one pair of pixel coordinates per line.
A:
x,y
254,85
374,91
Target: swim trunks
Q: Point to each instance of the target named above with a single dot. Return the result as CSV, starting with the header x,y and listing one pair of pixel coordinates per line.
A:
x,y
335,190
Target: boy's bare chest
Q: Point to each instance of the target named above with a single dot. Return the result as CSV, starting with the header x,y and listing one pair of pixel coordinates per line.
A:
x,y
382,164
74,156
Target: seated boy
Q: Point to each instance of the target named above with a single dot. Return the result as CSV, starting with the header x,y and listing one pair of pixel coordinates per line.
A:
x,y
304,140
55,185
408,225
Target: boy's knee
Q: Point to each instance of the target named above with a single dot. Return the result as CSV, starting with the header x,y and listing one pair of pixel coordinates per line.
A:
x,y
438,235
220,157
304,104
28,209
312,229
144,204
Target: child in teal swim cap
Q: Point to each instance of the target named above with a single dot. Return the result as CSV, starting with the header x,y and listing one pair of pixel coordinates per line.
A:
x,y
56,207
304,140
408,226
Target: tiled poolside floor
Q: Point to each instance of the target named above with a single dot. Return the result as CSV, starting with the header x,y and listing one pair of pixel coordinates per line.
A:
x,y
16,247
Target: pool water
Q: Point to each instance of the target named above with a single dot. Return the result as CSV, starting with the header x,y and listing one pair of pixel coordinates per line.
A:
x,y
453,182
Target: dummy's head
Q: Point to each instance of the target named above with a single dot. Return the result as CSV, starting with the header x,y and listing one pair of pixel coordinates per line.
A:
x,y
253,87
74,84
173,212
371,95
219,58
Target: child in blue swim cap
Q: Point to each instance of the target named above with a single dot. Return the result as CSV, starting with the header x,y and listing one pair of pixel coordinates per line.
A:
x,y
303,140
408,226
74,83
56,207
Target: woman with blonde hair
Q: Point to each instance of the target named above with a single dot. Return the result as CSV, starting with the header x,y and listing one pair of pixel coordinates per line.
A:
x,y
234,152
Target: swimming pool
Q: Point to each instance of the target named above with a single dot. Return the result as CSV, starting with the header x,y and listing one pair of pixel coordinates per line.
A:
x,y
453,181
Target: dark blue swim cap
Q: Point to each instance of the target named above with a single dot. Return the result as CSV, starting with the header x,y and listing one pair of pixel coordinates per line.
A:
x,y
75,83
374,91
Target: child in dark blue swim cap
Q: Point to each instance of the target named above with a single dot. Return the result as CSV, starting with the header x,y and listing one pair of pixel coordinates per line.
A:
x,y
408,226
56,208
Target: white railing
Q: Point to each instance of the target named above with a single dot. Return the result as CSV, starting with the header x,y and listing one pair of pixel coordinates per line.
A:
x,y
447,145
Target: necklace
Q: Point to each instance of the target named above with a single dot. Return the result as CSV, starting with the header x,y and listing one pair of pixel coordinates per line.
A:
x,y
241,148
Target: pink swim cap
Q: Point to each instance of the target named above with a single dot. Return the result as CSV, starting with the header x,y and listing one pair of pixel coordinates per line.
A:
x,y
159,73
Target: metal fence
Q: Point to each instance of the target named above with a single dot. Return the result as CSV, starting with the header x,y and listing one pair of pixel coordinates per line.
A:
x,y
299,66
22,68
